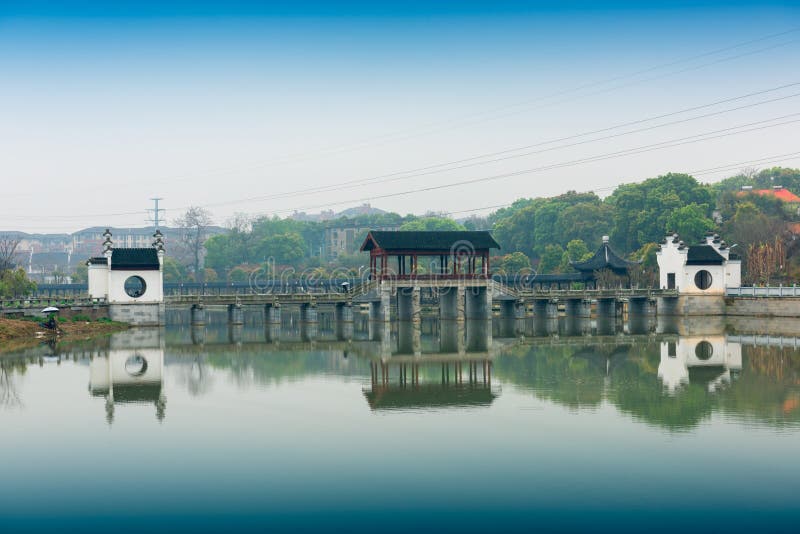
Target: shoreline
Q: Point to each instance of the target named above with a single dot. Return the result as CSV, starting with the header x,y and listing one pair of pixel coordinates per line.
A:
x,y
19,333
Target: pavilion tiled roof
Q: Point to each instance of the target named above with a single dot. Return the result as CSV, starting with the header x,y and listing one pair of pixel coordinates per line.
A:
x,y
429,240
140,259
604,258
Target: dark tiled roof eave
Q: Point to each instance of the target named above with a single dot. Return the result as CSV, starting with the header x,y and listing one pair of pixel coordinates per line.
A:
x,y
128,259
703,255
430,240
604,258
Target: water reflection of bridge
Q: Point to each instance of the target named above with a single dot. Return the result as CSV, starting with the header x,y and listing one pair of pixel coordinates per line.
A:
x,y
436,381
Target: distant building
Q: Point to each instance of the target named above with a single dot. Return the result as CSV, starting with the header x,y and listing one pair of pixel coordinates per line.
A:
x,y
705,268
345,236
49,267
778,191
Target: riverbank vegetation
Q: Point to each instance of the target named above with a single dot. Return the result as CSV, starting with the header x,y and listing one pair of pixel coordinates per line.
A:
x,y
17,332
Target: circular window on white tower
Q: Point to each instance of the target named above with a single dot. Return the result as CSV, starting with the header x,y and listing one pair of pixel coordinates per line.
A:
x,y
136,365
704,350
702,279
135,286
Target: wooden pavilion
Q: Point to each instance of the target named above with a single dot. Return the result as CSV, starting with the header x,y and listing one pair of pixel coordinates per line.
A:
x,y
445,254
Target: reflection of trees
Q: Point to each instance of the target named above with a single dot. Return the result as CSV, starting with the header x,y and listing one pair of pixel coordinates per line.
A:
x,y
9,396
553,374
767,390
252,365
275,367
195,376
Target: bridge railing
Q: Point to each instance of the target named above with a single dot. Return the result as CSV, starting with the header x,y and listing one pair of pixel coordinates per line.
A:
x,y
767,291
24,303
599,293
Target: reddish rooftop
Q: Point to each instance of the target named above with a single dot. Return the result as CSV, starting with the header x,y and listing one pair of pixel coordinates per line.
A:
x,y
778,192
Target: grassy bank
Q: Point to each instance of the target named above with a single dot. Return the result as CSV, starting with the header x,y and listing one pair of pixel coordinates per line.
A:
x,y
15,333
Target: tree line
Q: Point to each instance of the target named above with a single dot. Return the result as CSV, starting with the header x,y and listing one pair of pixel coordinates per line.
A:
x,y
546,233
541,234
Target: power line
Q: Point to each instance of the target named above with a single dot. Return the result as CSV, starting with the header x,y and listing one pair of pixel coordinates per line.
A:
x,y
441,167
771,159
715,134
778,158
627,152
366,144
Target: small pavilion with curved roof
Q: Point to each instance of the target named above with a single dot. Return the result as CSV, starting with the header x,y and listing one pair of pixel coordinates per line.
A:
x,y
605,259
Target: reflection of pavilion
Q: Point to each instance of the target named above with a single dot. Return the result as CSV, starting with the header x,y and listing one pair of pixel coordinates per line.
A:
x,y
699,359
431,381
129,375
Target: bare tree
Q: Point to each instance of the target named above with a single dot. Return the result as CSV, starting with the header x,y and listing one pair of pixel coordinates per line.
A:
x,y
193,225
239,223
8,251
9,396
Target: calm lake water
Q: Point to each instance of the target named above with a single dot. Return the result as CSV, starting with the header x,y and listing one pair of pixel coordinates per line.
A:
x,y
674,427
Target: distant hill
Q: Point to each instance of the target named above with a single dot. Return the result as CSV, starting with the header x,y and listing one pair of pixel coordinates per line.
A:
x,y
364,209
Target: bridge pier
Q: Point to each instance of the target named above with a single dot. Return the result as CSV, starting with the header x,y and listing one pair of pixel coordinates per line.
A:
x,y
478,314
272,314
451,303
235,314
508,318
235,332
309,321
452,337
408,304
606,325
380,309
640,306
667,306
578,307
343,316
607,307
198,314
198,334
478,305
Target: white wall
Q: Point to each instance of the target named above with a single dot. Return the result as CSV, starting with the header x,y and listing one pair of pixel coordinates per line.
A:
x,y
154,291
673,371
717,279
672,260
104,372
98,281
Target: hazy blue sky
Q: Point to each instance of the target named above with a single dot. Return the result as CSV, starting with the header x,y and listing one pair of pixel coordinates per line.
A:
x,y
211,103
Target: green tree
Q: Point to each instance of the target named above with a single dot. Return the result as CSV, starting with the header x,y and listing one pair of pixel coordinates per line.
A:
x,y
173,271
551,259
238,274
283,248
81,274
15,283
432,223
690,222
514,263
576,251
641,210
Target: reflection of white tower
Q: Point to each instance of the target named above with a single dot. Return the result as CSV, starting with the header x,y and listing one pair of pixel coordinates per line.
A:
x,y
130,375
712,355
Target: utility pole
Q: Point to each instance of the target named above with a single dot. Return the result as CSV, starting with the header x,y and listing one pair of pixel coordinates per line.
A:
x,y
156,212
